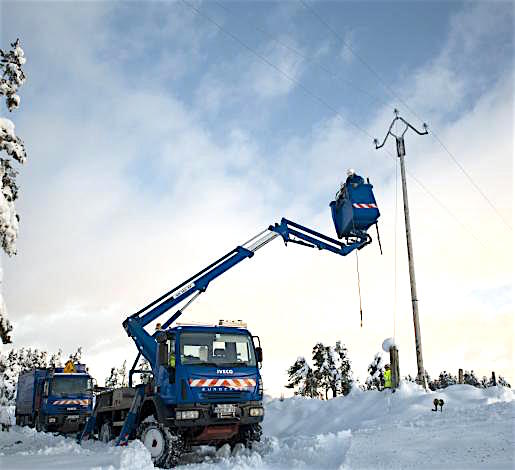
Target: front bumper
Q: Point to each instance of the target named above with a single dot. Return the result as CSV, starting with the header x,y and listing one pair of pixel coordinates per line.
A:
x,y
207,415
66,423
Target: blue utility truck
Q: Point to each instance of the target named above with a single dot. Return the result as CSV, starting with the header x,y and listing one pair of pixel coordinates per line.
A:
x,y
52,400
205,385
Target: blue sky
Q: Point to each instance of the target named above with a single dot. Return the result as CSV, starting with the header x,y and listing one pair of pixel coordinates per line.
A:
x,y
157,143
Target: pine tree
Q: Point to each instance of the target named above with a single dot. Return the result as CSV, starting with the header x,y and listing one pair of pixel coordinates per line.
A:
x,y
444,380
375,379
144,378
345,380
117,377
76,357
324,369
56,359
302,379
11,78
470,378
502,382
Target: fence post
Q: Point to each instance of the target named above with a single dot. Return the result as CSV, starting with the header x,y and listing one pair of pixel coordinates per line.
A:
x,y
460,376
493,379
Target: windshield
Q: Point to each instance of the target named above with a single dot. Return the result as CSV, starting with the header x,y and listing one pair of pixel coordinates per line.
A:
x,y
217,349
62,385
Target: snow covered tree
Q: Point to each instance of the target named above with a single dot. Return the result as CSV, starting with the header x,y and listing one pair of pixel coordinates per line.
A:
x,y
470,378
325,371
343,367
12,77
117,377
443,381
12,364
375,379
76,357
144,378
502,382
302,379
56,359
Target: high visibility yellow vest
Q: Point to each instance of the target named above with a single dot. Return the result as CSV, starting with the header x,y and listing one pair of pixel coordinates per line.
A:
x,y
387,379
172,360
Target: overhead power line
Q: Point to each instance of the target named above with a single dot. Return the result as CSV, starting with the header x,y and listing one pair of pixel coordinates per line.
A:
x,y
286,75
395,95
312,60
313,95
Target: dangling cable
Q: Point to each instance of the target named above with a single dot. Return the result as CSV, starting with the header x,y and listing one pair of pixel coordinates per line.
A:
x,y
379,239
359,290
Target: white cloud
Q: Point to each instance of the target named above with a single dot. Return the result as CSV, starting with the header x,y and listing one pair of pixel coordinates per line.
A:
x,y
269,83
347,48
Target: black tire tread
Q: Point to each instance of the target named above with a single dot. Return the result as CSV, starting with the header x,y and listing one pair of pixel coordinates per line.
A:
x,y
174,444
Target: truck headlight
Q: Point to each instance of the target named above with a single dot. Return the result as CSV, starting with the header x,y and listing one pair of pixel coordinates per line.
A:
x,y
51,420
189,414
257,412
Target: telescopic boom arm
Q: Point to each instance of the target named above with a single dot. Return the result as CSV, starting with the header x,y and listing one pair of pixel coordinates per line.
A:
x,y
195,285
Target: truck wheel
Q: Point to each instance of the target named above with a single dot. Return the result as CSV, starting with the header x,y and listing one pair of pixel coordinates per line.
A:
x,y
164,445
106,433
250,434
40,427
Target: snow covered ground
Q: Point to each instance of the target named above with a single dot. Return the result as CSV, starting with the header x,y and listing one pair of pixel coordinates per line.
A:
x,y
363,430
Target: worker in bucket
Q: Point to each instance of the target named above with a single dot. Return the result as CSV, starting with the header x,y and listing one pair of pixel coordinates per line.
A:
x,y
353,178
387,377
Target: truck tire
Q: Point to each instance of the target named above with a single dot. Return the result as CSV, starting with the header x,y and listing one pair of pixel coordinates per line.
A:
x,y
164,445
250,434
40,427
106,432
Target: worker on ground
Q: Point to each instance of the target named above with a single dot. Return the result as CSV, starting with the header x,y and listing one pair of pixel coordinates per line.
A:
x,y
387,377
69,367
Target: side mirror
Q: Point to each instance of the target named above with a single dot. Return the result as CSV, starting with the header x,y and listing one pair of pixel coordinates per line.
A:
x,y
259,354
162,352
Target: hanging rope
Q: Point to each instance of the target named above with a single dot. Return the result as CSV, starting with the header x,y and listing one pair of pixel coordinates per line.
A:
x,y
359,291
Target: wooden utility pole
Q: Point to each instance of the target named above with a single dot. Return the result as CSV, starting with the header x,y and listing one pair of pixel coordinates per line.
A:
x,y
401,153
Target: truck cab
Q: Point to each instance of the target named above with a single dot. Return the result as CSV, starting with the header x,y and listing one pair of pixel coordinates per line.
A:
x,y
206,389
210,375
52,400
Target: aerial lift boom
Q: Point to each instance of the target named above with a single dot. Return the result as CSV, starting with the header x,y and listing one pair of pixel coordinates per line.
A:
x,y
195,285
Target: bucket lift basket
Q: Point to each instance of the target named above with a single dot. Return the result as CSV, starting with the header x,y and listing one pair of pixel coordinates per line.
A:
x,y
354,209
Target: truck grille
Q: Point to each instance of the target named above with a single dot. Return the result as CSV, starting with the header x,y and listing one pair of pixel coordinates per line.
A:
x,y
228,395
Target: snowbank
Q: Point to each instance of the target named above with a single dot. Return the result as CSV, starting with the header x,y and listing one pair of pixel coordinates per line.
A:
x,y
362,430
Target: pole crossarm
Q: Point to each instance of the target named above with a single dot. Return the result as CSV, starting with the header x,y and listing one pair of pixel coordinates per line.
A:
x,y
407,126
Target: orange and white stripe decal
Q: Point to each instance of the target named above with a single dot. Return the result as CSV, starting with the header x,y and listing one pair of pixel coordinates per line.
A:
x,y
225,382
364,206
71,402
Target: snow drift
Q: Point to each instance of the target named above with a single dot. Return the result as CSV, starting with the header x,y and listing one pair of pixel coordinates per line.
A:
x,y
362,430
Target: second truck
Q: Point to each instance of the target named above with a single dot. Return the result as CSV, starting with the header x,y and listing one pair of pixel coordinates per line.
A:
x,y
54,399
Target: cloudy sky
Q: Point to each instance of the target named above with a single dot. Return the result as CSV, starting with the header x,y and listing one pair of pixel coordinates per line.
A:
x,y
162,134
